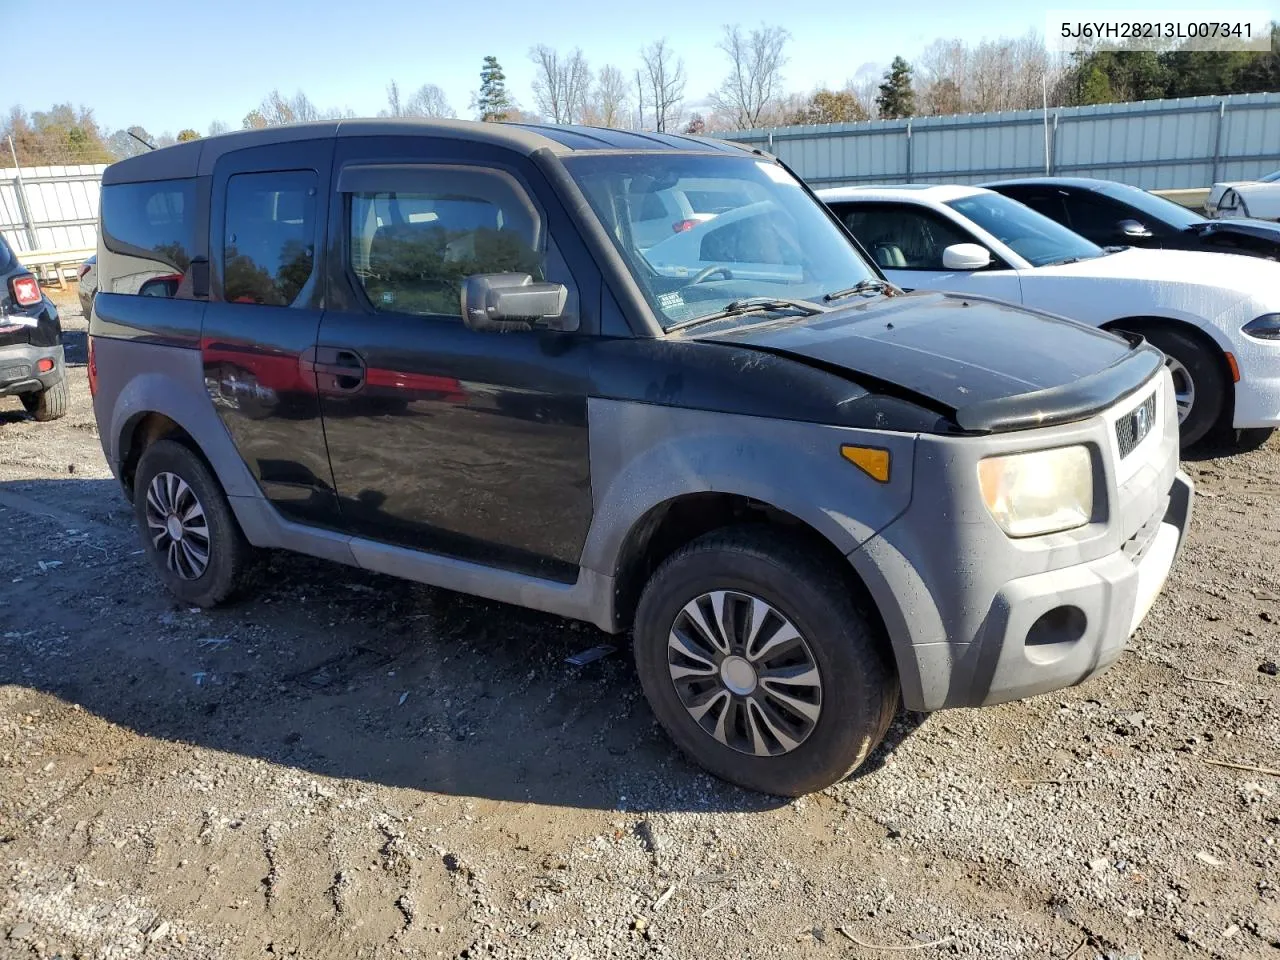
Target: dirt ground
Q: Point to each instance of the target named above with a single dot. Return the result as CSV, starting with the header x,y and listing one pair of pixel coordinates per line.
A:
x,y
347,766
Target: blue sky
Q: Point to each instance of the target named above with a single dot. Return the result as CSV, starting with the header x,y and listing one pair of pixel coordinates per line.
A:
x,y
169,65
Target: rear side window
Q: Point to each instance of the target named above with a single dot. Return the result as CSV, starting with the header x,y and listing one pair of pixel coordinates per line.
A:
x,y
153,221
268,253
411,249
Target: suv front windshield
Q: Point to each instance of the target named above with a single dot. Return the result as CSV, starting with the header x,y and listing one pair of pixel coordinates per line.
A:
x,y
700,232
1032,236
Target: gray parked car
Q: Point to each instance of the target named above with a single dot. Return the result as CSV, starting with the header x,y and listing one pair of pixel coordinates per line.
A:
x,y
437,350
88,285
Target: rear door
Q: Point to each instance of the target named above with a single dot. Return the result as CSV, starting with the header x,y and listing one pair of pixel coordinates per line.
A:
x,y
907,240
267,228
458,442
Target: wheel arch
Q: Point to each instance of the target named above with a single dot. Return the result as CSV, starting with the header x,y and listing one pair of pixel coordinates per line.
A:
x,y
677,521
1206,338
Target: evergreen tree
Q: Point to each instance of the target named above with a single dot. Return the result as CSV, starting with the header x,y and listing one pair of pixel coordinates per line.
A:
x,y
494,103
896,98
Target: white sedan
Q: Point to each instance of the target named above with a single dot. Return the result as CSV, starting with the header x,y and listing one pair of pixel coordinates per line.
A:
x,y
1216,317
1259,199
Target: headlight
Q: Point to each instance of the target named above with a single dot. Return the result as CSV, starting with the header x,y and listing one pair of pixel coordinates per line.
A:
x,y
1030,494
1265,327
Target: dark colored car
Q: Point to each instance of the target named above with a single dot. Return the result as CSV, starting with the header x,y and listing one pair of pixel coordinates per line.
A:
x,y
439,351
1116,214
31,361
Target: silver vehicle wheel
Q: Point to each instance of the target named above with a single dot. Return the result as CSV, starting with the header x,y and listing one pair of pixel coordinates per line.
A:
x,y
177,525
744,673
1184,388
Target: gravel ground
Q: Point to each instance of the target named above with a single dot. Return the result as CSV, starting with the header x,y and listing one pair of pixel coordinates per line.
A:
x,y
348,766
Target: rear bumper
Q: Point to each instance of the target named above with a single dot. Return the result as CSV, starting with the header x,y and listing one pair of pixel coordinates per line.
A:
x,y
20,369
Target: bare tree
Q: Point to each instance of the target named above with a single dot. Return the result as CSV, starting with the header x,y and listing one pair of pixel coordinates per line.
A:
x,y
394,107
217,127
562,84
753,89
429,101
639,124
665,78
607,105
1001,74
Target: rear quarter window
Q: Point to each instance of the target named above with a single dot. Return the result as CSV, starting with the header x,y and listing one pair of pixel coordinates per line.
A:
x,y
152,222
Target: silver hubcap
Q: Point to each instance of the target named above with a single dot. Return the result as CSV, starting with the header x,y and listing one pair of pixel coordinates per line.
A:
x,y
177,526
1184,388
744,673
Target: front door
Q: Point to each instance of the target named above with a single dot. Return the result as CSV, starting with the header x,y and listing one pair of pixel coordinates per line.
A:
x,y
267,224
465,443
907,242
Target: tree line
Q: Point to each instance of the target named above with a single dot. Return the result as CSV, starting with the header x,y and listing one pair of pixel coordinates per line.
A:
x,y
651,93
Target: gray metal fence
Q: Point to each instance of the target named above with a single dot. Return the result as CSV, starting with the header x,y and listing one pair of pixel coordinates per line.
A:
x,y
50,208
1155,144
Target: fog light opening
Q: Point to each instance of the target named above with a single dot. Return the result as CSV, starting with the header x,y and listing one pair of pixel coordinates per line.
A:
x,y
1065,624
44,365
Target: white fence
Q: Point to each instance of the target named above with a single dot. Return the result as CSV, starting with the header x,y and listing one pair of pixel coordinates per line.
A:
x,y
55,209
1155,144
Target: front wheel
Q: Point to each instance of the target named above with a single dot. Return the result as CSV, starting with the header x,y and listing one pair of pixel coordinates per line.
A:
x,y
186,525
759,664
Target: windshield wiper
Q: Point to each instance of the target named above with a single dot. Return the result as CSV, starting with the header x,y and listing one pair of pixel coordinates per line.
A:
x,y
736,308
863,286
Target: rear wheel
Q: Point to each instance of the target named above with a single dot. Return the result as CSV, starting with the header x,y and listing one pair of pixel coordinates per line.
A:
x,y
1200,385
48,404
186,525
759,664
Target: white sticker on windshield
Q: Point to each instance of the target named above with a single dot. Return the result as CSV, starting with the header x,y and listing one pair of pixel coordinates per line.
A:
x,y
777,174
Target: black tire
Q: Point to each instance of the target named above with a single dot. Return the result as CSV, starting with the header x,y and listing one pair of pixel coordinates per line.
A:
x,y
48,404
229,553
859,686
1204,365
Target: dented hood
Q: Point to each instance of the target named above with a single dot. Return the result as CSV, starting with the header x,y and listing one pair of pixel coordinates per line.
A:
x,y
989,364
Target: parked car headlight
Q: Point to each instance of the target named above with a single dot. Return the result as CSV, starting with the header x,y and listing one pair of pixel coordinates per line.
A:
x,y
1265,327
1046,491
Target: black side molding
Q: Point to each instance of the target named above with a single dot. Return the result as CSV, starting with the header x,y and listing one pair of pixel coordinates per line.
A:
x,y
1068,402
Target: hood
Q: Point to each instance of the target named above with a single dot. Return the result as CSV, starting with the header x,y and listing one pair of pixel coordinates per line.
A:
x,y
1238,276
1245,226
989,364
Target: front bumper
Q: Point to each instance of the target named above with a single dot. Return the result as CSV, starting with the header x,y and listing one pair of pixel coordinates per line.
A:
x,y
19,368
976,617
1056,629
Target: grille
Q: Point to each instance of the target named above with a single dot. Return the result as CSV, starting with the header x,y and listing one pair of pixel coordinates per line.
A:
x,y
1134,426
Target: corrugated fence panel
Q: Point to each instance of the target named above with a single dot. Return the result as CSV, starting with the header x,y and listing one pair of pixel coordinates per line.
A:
x,y
61,207
1157,145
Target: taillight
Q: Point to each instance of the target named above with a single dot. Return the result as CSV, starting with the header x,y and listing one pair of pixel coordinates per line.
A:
x,y
93,370
84,268
680,226
25,290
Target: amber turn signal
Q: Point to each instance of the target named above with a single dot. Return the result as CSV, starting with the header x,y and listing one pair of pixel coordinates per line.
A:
x,y
873,461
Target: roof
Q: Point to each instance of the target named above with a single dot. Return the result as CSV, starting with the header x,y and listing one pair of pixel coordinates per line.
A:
x,y
915,192
1084,183
197,157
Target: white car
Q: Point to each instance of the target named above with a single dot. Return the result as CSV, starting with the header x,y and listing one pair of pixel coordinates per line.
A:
x,y
1259,199
1215,316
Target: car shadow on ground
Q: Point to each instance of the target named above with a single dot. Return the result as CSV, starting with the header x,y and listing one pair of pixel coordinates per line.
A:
x,y
338,672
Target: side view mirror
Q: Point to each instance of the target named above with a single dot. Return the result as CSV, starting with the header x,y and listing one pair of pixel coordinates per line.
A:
x,y
1133,230
512,301
966,256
